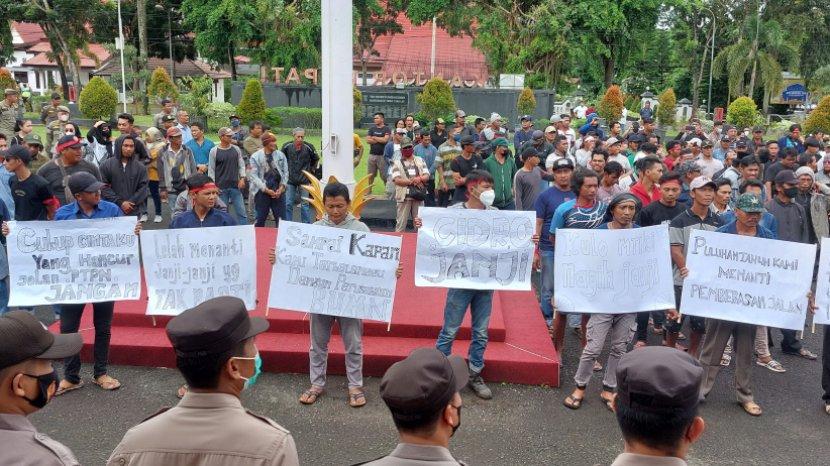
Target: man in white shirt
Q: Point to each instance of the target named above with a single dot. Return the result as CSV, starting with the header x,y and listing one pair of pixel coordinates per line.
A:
x,y
708,164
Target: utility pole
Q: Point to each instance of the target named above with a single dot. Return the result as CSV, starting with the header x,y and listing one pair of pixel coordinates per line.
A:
x,y
121,49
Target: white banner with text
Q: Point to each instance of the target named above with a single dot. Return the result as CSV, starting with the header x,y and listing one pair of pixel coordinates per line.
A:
x,y
73,261
747,279
823,285
186,267
613,271
475,249
334,271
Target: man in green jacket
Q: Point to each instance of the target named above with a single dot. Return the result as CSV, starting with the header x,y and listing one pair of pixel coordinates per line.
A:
x,y
502,168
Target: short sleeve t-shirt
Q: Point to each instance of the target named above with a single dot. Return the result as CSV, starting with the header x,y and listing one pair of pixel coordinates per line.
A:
x,y
29,196
546,205
681,228
463,167
568,215
446,154
658,213
376,148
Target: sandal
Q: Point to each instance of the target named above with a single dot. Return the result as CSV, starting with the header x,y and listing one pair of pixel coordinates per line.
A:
x,y
657,330
107,383
609,402
64,386
726,359
182,391
309,397
681,336
597,366
827,408
752,408
357,398
807,354
772,365
640,344
572,402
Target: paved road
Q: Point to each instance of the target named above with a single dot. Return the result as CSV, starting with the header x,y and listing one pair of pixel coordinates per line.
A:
x,y
521,425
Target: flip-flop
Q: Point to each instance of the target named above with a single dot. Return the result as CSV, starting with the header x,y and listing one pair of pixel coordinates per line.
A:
x,y
609,403
61,390
597,366
572,402
182,391
827,408
357,399
310,396
108,383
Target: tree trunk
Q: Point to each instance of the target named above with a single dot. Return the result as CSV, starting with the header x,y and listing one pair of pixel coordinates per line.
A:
x,y
363,69
754,55
608,70
232,61
69,55
62,72
699,79
141,17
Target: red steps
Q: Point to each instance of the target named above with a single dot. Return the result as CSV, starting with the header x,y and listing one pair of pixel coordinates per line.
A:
x,y
519,349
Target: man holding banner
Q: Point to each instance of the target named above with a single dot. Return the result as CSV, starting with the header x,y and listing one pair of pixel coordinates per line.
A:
x,y
336,201
748,210
88,205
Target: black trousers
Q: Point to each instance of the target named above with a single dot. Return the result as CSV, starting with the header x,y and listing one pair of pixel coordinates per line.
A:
x,y
825,365
263,204
102,320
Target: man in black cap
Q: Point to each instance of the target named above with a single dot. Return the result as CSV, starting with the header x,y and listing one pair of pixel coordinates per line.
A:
x,y
657,415
217,354
524,134
27,383
422,393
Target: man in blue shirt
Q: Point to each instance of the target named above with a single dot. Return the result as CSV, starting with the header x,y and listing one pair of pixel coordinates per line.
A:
x,y
200,146
203,193
545,206
86,189
428,152
748,211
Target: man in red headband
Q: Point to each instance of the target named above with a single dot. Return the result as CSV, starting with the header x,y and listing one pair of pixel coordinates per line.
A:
x,y
203,194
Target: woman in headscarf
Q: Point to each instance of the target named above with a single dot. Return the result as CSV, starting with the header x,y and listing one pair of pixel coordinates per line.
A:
x,y
622,210
99,143
155,146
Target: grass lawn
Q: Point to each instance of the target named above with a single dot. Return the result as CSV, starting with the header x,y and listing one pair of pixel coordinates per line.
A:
x,y
283,136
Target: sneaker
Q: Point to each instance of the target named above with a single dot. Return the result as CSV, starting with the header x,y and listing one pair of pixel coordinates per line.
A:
x,y
143,218
478,386
157,219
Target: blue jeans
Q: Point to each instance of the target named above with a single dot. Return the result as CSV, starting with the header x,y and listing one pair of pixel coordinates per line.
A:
x,y
546,285
294,194
232,197
263,204
480,303
4,295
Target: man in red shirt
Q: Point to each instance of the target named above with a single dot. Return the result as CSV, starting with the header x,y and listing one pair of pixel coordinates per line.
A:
x,y
646,188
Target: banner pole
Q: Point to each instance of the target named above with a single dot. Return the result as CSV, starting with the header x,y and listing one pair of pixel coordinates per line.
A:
x,y
153,318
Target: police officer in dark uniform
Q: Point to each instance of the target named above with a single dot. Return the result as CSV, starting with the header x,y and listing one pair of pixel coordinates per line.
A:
x,y
422,393
27,383
217,355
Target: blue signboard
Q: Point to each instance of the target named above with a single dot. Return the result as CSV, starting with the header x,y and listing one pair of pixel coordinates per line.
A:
x,y
794,92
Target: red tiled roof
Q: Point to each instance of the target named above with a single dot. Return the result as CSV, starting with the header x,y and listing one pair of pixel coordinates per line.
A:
x,y
30,33
185,67
409,53
97,55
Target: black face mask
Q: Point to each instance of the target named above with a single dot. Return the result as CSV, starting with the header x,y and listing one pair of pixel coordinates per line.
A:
x,y
791,192
43,382
455,427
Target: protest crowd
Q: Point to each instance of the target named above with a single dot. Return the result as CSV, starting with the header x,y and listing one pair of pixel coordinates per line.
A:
x,y
597,176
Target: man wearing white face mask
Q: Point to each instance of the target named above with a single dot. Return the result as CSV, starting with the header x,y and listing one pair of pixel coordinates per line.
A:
x,y
480,195
55,128
217,355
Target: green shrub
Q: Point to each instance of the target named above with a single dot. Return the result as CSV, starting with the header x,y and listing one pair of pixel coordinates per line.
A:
x,y
526,104
98,100
197,98
272,118
252,105
819,118
357,97
161,86
742,112
436,100
308,118
220,111
611,106
666,103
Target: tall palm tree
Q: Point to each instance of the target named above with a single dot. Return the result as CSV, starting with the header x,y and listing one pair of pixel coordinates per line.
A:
x,y
759,53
